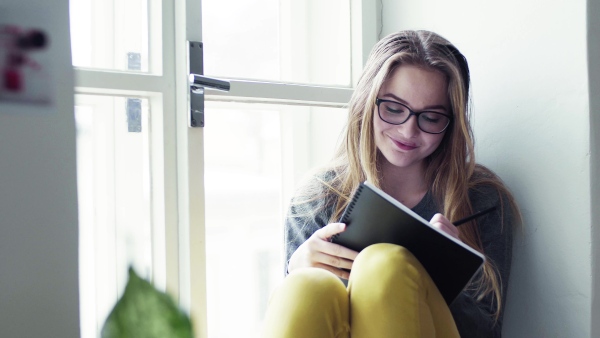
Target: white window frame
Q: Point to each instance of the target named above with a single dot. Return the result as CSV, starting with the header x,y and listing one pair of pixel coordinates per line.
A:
x,y
177,169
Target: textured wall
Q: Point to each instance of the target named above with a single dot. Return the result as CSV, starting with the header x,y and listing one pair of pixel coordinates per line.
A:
x,y
532,125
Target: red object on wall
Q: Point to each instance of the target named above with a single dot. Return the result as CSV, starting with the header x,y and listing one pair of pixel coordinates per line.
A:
x,y
12,80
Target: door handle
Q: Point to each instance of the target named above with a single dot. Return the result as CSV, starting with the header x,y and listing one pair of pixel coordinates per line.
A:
x,y
198,83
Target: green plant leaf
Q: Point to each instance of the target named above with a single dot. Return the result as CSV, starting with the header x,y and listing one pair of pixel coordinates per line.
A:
x,y
144,312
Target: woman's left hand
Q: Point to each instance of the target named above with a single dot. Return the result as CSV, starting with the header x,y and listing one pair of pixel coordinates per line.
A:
x,y
441,222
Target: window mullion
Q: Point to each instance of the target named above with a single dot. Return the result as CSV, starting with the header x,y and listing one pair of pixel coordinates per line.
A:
x,y
283,93
110,82
365,22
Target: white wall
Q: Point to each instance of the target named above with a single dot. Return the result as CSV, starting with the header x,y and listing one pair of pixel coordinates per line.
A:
x,y
593,17
38,202
529,71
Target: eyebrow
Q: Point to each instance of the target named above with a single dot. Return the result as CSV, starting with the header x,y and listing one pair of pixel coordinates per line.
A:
x,y
437,106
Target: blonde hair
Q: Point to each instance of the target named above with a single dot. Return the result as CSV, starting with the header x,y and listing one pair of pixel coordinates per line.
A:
x,y
451,169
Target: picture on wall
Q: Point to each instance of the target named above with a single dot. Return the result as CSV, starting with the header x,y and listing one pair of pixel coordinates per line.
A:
x,y
24,63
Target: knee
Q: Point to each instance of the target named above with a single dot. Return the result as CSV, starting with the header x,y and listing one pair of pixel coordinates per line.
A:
x,y
384,256
386,262
315,283
309,300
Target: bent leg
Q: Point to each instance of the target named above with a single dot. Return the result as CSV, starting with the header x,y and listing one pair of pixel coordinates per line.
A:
x,y
391,295
310,302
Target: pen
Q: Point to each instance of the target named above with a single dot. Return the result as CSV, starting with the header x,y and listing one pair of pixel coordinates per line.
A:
x,y
475,215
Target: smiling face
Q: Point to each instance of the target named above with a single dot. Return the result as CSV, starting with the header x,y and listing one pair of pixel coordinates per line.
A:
x,y
405,145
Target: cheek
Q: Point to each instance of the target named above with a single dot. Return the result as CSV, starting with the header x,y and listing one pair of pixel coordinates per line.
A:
x,y
434,142
379,129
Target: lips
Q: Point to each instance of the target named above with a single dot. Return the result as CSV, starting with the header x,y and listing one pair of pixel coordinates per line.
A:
x,y
404,145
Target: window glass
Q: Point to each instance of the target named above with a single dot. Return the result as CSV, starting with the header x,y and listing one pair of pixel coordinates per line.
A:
x,y
113,177
278,40
110,34
249,178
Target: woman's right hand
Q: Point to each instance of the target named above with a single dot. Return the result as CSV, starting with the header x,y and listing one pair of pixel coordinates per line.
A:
x,y
318,251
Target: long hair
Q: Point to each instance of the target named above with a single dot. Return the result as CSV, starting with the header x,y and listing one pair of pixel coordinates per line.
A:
x,y
451,169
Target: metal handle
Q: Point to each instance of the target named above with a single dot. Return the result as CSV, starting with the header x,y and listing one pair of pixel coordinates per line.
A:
x,y
197,81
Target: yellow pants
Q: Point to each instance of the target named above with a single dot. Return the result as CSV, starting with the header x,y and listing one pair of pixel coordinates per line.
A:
x,y
389,294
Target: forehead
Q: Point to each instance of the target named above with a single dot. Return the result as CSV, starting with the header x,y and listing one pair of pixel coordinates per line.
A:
x,y
416,86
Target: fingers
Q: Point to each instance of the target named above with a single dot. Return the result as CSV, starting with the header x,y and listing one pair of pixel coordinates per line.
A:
x,y
332,249
340,251
338,272
328,231
333,261
442,223
318,251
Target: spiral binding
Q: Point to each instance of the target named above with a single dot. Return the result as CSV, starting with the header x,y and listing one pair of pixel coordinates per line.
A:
x,y
352,203
349,209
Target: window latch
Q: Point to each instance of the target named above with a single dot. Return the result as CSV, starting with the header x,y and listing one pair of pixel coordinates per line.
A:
x,y
198,83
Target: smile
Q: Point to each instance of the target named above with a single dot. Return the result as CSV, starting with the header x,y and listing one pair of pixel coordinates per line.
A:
x,y
404,145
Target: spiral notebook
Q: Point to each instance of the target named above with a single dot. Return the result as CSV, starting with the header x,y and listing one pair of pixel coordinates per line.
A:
x,y
372,216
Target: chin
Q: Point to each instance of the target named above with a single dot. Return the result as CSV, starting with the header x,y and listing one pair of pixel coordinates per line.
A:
x,y
402,162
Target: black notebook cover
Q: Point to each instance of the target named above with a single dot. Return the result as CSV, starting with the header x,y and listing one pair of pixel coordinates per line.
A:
x,y
375,217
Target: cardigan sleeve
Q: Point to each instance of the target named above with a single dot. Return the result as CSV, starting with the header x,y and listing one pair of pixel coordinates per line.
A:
x,y
302,220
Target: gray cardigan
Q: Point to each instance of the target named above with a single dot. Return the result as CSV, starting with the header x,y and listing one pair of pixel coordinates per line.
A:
x,y
473,318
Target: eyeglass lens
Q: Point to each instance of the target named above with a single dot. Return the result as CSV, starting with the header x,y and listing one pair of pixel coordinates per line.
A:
x,y
429,122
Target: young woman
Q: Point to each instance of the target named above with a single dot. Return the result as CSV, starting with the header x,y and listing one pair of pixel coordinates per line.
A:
x,y
408,132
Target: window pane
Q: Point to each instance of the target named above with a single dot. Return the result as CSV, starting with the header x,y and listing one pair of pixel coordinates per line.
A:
x,y
278,40
113,176
252,154
110,34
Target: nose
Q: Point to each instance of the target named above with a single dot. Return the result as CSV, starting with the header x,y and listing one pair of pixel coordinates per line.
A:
x,y
411,127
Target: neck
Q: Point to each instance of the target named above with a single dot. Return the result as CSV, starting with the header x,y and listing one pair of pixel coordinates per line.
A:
x,y
407,185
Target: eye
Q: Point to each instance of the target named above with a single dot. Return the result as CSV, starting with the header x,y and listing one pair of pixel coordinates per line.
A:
x,y
393,108
433,118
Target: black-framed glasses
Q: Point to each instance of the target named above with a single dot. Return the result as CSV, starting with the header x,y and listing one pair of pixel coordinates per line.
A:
x,y
393,112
